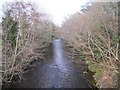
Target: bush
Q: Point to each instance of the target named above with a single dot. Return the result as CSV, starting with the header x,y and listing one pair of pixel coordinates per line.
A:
x,y
24,31
95,32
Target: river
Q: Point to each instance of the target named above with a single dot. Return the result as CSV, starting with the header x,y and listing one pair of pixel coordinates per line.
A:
x,y
56,72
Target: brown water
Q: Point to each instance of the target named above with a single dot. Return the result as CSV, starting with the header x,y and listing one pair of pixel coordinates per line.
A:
x,y
55,72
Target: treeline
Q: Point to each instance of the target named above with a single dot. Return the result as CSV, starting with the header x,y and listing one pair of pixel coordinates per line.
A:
x,y
26,31
94,33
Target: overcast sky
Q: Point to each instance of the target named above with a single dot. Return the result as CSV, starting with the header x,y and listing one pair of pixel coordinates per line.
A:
x,y
58,9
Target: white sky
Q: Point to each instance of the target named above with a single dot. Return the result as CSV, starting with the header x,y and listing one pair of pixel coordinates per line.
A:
x,y
58,9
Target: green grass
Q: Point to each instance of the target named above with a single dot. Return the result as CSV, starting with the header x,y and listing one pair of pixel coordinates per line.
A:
x,y
96,68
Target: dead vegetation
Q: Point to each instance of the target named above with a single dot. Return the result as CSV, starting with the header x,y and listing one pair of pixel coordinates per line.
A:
x,y
95,34
26,33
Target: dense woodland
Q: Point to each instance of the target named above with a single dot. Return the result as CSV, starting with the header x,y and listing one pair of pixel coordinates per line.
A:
x,y
27,32
24,30
95,34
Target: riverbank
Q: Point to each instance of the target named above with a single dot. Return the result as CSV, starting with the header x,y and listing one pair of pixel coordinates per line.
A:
x,y
37,56
79,62
60,72
97,74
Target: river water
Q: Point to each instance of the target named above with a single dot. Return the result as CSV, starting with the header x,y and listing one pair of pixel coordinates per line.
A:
x,y
56,72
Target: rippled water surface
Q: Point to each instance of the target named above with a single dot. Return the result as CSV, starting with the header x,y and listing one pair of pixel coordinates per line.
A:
x,y
55,72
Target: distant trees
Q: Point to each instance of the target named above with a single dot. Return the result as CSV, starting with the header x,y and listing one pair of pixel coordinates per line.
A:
x,y
25,28
86,7
95,33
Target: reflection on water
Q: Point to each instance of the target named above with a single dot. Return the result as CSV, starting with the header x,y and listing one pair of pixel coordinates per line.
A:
x,y
58,54
58,48
56,72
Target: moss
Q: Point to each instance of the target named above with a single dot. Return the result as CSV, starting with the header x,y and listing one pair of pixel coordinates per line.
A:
x,y
96,68
98,74
82,57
